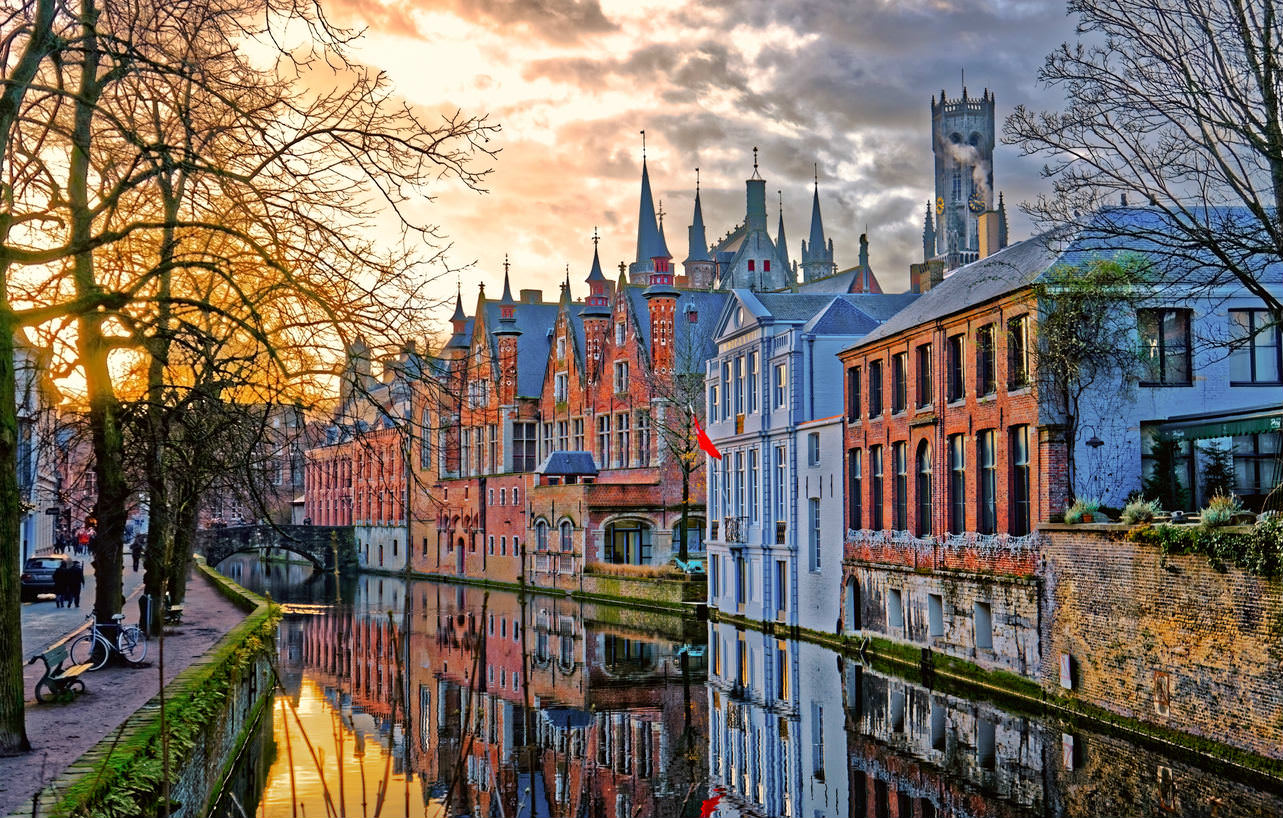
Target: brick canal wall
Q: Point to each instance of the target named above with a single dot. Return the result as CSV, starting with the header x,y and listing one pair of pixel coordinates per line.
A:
x,y
212,708
1166,640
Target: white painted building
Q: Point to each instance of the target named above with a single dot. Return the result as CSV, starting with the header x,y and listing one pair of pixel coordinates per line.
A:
x,y
774,403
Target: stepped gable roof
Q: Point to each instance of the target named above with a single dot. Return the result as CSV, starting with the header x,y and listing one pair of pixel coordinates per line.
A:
x,y
706,303
563,463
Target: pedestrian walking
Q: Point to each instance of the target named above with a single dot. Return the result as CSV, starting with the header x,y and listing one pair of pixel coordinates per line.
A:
x,y
61,582
136,550
75,582
82,540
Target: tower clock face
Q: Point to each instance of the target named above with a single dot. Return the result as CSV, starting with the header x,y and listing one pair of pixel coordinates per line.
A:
x,y
976,204
939,205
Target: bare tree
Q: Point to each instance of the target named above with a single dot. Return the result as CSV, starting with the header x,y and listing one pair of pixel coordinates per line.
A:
x,y
1179,105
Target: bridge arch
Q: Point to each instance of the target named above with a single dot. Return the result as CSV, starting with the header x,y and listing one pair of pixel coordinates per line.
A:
x,y
327,547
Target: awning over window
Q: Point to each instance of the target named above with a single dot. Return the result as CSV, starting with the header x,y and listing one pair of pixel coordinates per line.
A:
x,y
1222,424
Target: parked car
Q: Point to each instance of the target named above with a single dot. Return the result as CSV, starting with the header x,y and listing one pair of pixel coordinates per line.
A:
x,y
37,575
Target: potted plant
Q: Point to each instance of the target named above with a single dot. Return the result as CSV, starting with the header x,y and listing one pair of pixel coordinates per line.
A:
x,y
1085,510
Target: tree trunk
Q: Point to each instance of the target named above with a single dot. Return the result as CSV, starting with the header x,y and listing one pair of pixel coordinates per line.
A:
x,y
104,407
180,556
13,729
682,527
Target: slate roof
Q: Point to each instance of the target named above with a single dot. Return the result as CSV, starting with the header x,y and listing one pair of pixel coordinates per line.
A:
x,y
1107,232
568,463
840,282
707,304
534,321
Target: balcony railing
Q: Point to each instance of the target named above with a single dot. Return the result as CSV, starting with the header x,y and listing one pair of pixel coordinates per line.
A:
x,y
735,529
781,529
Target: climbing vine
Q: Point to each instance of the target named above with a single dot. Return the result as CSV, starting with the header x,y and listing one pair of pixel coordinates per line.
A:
x,y
1257,550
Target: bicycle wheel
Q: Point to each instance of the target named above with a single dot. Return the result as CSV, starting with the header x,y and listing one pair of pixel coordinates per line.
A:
x,y
131,644
91,649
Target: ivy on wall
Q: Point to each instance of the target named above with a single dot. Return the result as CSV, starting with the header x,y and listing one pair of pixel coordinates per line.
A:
x,y
1257,550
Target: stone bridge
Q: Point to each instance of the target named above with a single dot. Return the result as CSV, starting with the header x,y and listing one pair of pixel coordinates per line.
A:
x,y
327,547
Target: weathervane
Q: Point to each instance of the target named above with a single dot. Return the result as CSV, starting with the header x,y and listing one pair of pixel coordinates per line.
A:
x,y
595,238
643,133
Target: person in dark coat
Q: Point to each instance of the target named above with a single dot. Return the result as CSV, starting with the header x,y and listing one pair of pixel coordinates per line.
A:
x,y
75,582
61,582
136,550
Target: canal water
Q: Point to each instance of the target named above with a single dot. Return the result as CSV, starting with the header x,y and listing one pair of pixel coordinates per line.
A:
x,y
429,699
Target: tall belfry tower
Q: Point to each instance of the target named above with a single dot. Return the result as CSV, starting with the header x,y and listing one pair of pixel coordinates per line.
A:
x,y
962,137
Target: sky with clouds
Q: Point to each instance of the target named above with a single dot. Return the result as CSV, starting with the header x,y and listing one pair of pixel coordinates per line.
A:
x,y
846,84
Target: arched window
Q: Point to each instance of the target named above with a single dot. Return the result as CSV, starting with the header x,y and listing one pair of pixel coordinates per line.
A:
x,y
541,536
923,462
567,528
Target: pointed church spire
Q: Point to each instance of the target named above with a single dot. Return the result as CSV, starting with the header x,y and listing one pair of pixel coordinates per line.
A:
x,y
507,289
697,241
781,243
817,254
650,239
507,307
595,274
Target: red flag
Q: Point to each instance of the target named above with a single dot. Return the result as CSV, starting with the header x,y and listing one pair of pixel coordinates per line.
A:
x,y
702,439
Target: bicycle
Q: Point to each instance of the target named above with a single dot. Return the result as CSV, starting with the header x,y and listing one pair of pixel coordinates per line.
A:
x,y
95,648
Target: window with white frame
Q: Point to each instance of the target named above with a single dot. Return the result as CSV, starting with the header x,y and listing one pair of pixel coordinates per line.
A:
x,y
1255,355
643,438
577,426
813,449
619,333
621,376
623,439
603,440
753,502
752,382
561,387
781,479
781,384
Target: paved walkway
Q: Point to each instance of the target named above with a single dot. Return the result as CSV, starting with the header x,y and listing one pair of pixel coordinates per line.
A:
x,y
44,623
61,733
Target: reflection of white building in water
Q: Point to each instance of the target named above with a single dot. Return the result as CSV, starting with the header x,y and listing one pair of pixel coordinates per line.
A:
x,y
777,737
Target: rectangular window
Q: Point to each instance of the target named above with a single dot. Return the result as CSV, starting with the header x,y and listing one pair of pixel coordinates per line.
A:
x,y
781,382
875,488
752,382
739,484
547,439
957,384
1019,455
926,391
781,578
1255,351
621,376
503,546
781,665
603,441
1165,347
643,438
493,446
619,333
1018,352
898,389
561,387
957,484
579,434
875,389
623,439
563,435
1258,466
752,265
813,449
712,401
854,498
900,490
753,501
491,544
986,376
935,615
781,485
523,448
813,529
984,625
714,573
988,494
853,394
726,389
739,384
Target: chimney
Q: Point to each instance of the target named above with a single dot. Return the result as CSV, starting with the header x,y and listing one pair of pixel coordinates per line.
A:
x,y
532,296
989,233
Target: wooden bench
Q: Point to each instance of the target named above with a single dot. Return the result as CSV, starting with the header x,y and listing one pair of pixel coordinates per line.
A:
x,y
58,679
174,615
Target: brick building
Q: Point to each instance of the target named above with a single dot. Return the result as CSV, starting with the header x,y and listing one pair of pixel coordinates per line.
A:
x,y
954,454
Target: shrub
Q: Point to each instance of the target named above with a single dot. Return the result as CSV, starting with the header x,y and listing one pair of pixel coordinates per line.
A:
x,y
1141,511
1080,507
610,569
1220,511
1258,550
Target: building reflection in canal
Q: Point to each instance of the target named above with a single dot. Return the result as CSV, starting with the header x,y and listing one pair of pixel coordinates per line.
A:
x,y
797,731
435,699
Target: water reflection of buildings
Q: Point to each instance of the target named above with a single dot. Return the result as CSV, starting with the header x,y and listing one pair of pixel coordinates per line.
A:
x,y
595,721
796,731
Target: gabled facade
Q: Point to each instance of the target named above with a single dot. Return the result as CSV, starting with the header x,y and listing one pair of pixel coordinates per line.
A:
x,y
775,496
